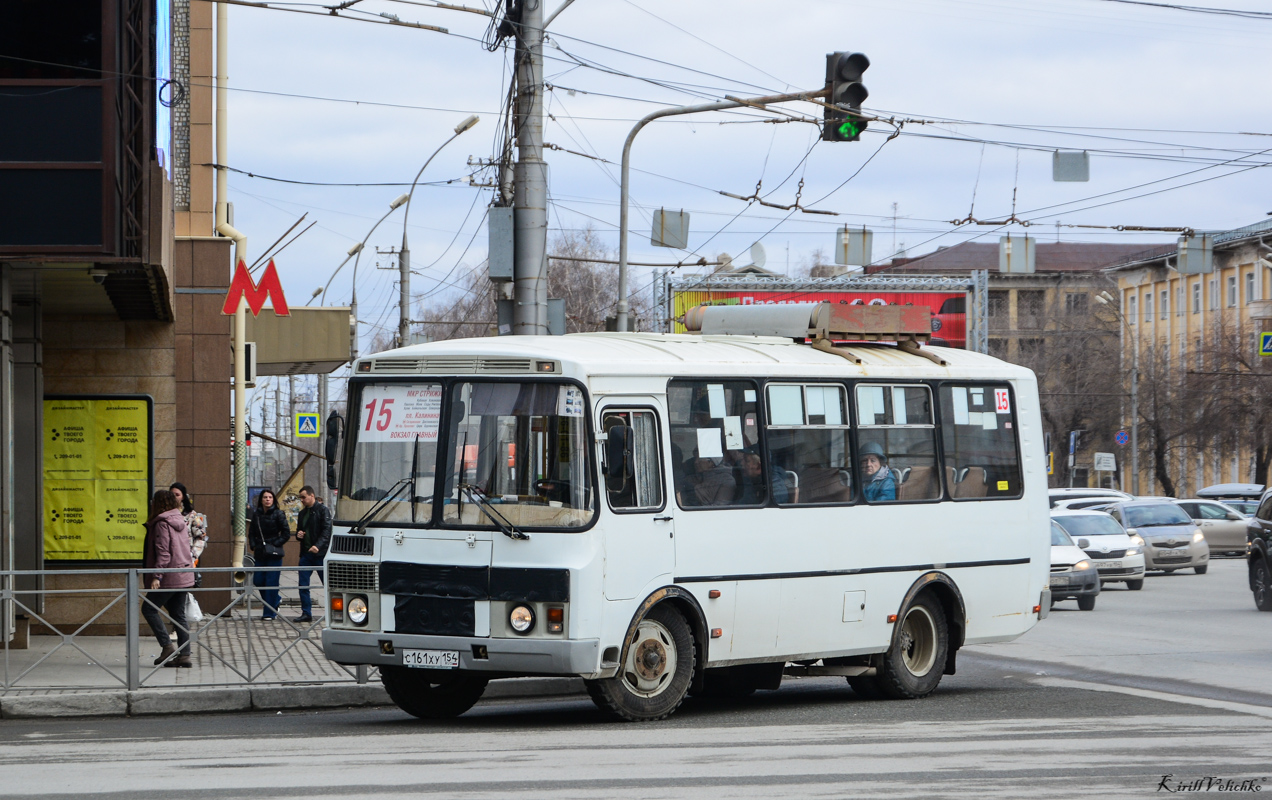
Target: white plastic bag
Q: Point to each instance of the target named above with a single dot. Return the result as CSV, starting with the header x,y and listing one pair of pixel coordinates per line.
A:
x,y
193,614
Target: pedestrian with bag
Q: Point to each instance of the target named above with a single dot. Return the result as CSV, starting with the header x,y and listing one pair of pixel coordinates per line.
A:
x,y
268,531
313,531
196,524
167,546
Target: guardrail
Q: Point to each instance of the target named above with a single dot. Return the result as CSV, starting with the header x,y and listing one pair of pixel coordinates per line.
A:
x,y
230,646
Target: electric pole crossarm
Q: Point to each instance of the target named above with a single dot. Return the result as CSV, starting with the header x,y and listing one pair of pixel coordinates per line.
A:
x,y
625,181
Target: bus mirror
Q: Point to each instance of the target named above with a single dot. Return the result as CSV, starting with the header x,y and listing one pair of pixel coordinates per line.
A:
x,y
620,463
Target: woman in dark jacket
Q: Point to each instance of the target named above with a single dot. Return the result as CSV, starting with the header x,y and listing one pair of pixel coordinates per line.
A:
x,y
267,532
167,546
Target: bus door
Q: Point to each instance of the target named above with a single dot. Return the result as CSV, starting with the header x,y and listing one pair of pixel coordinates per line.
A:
x,y
637,529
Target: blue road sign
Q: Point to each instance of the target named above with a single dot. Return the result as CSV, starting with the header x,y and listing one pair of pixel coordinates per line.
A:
x,y
1122,437
306,424
1265,344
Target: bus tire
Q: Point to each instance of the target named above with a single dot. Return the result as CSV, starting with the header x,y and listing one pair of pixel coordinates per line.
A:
x,y
866,687
656,672
432,694
914,663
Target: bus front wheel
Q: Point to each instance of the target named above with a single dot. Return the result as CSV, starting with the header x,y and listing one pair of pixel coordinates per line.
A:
x,y
913,665
656,671
432,694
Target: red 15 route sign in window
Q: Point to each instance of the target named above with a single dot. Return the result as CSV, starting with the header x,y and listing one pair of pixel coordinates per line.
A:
x,y
399,412
1002,401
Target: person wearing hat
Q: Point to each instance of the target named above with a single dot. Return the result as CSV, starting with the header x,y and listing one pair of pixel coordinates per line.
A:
x,y
879,483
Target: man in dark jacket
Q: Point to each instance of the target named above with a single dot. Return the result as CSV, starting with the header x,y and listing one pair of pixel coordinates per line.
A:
x,y
313,530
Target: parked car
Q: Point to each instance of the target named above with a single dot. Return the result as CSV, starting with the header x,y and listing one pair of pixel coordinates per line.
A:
x,y
1259,554
1173,541
1117,555
1223,527
1075,493
1244,497
1072,576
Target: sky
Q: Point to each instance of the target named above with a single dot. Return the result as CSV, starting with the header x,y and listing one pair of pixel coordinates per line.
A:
x,y
1170,104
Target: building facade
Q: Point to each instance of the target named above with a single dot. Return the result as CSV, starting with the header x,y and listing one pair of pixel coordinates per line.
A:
x,y
110,277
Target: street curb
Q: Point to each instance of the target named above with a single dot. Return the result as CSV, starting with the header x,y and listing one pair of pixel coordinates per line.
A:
x,y
222,699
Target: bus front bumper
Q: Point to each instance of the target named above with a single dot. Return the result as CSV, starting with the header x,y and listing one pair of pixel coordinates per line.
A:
x,y
508,656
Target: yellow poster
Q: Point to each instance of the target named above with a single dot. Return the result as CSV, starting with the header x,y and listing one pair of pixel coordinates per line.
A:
x,y
68,439
121,440
121,509
97,472
69,512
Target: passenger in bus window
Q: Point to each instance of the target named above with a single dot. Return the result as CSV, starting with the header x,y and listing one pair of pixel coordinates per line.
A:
x,y
753,489
710,484
879,483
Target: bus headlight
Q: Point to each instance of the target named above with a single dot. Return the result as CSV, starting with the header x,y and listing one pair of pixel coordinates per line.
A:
x,y
521,618
357,610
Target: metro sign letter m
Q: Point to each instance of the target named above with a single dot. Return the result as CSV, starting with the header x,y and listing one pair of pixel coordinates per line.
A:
x,y
243,287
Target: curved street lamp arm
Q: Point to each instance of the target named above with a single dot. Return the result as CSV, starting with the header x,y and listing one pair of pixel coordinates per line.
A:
x,y
358,252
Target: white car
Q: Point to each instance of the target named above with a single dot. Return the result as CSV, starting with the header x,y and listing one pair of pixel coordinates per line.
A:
x,y
1118,555
1057,496
1072,576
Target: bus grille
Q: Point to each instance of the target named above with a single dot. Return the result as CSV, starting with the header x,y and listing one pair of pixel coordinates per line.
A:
x,y
346,576
353,545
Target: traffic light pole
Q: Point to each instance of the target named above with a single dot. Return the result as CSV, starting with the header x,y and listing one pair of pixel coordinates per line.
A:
x,y
731,102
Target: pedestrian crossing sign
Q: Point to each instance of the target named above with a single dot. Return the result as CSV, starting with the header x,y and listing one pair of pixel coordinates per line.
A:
x,y
307,424
1265,344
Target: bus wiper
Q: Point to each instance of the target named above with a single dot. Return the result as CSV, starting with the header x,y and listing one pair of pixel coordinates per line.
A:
x,y
360,526
415,459
501,522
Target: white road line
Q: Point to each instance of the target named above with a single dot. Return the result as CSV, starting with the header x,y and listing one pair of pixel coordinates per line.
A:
x,y
1226,705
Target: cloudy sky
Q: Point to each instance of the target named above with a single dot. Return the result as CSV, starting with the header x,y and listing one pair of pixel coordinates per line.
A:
x,y
1170,103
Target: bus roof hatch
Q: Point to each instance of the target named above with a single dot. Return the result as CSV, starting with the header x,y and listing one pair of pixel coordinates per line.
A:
x,y
825,321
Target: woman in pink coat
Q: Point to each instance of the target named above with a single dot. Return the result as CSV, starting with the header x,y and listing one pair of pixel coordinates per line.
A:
x,y
167,546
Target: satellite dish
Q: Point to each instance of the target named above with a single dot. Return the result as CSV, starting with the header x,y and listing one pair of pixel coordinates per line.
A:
x,y
758,256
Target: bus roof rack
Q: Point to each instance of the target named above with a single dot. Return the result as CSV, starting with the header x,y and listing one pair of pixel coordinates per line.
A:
x,y
815,321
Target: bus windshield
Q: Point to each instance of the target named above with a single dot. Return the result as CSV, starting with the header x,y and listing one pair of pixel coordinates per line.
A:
x,y
518,450
395,454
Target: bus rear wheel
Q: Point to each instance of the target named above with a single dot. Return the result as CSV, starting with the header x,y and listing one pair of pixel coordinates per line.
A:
x,y
914,663
656,672
432,694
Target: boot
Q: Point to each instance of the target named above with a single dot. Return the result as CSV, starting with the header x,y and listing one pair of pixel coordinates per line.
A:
x,y
181,661
168,649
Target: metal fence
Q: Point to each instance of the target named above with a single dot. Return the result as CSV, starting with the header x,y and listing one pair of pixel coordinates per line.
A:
x,y
229,646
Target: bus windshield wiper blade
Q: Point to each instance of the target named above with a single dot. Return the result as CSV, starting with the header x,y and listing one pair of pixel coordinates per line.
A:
x,y
360,526
501,522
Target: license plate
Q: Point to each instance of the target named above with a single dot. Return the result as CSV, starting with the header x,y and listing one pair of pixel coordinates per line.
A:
x,y
1183,553
1108,564
1059,580
431,659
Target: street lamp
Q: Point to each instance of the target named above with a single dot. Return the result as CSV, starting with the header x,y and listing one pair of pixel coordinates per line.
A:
x,y
355,253
404,256
1106,299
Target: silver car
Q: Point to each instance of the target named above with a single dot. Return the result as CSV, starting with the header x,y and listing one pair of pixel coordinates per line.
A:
x,y
1173,541
1224,527
1118,557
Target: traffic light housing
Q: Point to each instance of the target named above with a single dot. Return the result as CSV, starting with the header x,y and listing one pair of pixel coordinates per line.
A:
x,y
846,93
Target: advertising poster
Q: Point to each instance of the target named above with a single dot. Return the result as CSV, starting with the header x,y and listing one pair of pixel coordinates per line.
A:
x,y
97,477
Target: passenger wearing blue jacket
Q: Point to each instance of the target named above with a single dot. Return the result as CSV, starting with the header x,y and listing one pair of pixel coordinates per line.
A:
x,y
879,483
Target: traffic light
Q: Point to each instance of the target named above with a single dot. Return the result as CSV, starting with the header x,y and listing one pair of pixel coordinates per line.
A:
x,y
846,92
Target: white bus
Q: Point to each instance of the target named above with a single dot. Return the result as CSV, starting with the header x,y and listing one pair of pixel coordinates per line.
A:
x,y
672,514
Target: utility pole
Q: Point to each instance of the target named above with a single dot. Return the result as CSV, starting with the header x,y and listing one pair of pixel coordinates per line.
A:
x,y
530,214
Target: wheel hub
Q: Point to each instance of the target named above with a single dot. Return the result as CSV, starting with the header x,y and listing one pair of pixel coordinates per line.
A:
x,y
651,659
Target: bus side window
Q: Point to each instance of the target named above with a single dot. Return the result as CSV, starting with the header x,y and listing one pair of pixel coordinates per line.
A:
x,y
809,459
896,443
632,468
714,442
979,434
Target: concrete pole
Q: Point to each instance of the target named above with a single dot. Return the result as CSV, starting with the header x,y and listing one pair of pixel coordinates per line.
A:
x,y
625,182
238,498
530,216
1135,474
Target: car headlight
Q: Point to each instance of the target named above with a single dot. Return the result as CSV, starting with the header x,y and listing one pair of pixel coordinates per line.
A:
x,y
357,610
1081,565
1133,551
1137,539
521,619
1197,537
